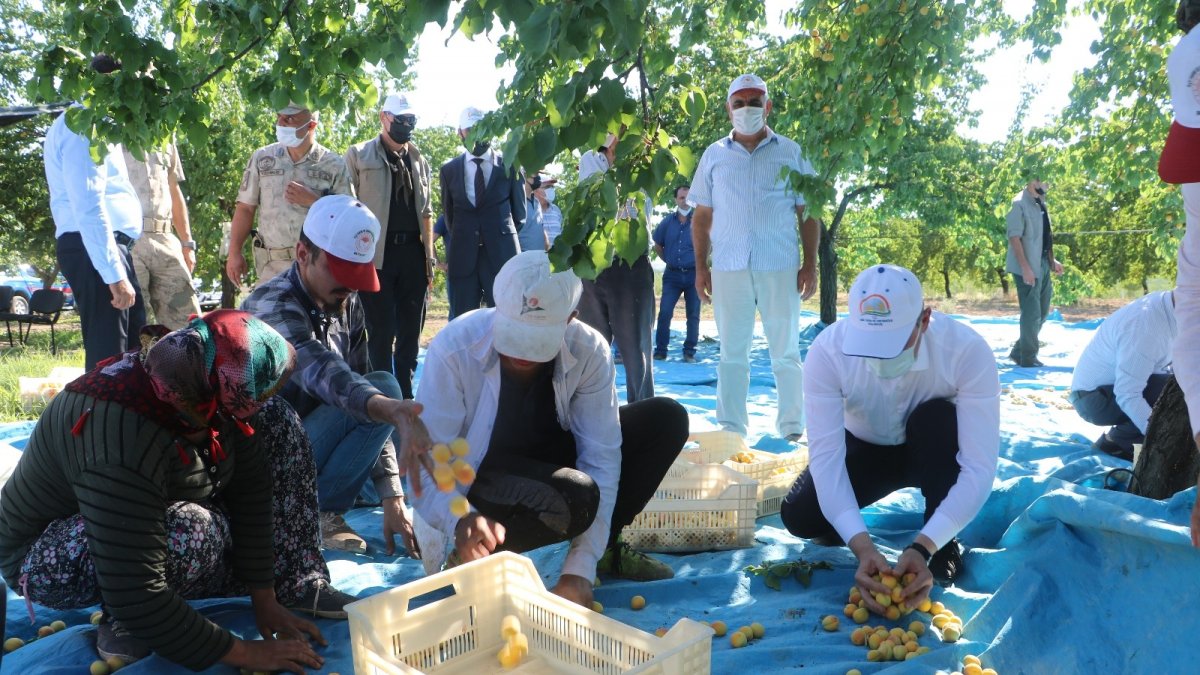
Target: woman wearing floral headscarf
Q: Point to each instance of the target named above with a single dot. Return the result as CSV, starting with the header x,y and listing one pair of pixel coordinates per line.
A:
x,y
167,474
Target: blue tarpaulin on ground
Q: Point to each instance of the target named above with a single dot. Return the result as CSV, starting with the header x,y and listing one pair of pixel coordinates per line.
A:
x,y
1062,575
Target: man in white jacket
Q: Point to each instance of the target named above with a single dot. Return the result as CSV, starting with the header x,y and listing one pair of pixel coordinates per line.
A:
x,y
897,396
1123,370
556,459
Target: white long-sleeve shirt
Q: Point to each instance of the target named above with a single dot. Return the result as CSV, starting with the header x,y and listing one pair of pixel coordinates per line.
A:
x,y
1130,346
94,200
842,394
1186,354
460,387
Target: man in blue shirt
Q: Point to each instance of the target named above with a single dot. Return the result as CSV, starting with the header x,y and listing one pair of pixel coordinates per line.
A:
x,y
673,244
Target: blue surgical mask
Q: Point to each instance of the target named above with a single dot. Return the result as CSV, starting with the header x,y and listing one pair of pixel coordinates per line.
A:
x,y
549,192
890,369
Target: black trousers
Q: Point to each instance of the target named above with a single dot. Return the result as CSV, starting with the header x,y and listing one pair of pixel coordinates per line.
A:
x,y
926,460
543,499
396,314
468,290
620,304
107,331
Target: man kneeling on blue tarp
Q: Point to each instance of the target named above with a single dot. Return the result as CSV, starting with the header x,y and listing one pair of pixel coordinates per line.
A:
x,y
556,459
896,396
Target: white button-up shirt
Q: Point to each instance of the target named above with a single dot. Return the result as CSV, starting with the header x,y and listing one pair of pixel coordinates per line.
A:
x,y
1187,304
842,394
460,388
489,160
754,222
94,200
1130,346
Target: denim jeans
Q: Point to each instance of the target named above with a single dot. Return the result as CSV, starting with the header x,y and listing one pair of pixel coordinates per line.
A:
x,y
676,281
346,449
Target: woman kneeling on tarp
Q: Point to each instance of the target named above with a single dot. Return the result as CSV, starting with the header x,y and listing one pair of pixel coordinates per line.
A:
x,y
166,474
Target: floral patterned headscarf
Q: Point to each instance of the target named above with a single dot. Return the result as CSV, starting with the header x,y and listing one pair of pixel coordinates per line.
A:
x,y
226,363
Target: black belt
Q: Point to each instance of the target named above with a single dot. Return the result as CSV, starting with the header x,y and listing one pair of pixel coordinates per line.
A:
x,y
681,269
122,239
404,238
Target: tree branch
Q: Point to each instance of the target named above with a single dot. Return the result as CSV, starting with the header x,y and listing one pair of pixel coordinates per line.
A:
x,y
237,57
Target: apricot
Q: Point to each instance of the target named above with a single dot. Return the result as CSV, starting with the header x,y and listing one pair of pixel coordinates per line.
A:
x,y
759,630
459,447
830,623
738,639
440,453
510,625
637,602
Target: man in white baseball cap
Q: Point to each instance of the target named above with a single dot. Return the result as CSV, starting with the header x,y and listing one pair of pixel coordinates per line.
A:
x,y
556,459
350,412
483,200
392,177
764,254
896,396
1180,163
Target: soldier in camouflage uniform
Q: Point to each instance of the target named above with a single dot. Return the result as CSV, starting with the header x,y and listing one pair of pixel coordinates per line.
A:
x,y
280,182
162,261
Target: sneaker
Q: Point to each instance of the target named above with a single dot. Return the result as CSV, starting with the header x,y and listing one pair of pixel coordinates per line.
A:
x,y
1109,446
947,563
660,357
114,642
323,601
337,535
796,438
623,562
689,358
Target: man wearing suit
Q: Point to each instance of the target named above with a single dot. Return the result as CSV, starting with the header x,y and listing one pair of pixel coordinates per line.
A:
x,y
484,204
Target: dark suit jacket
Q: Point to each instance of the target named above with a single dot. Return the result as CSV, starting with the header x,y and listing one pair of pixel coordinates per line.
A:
x,y
496,220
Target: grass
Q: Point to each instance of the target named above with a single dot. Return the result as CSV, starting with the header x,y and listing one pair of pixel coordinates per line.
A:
x,y
35,360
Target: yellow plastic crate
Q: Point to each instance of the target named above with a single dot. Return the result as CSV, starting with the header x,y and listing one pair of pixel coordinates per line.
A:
x,y
35,391
775,472
393,633
697,507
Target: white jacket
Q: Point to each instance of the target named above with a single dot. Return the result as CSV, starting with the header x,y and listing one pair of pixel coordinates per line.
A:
x,y
459,389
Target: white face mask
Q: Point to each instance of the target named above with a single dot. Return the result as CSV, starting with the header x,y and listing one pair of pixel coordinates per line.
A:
x,y
684,210
549,194
287,136
889,369
748,120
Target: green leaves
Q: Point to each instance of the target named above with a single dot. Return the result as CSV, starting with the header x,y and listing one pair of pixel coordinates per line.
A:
x,y
774,572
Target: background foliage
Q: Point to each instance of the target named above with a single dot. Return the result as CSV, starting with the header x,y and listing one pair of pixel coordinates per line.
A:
x,y
876,92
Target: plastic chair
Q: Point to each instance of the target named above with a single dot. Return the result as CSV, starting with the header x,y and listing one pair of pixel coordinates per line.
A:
x,y
45,307
6,298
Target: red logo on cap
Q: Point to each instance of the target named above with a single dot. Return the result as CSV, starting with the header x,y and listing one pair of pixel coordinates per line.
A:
x,y
363,242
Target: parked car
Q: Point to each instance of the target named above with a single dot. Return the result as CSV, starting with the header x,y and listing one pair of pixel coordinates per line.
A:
x,y
24,282
209,298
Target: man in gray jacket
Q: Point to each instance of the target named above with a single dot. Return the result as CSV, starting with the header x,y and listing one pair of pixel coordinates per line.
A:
x,y
1030,260
391,177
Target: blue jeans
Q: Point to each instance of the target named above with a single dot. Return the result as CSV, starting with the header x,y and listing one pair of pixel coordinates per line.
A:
x,y
676,281
346,449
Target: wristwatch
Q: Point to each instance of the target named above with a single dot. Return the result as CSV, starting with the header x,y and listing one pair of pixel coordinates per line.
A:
x,y
189,244
920,549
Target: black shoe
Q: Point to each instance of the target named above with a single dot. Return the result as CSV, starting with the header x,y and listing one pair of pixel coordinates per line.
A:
x,y
689,358
1108,446
660,357
946,564
114,642
1029,364
322,600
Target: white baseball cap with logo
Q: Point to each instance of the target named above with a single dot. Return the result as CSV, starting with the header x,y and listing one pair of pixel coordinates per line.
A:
x,y
469,117
346,230
885,303
533,307
747,81
397,104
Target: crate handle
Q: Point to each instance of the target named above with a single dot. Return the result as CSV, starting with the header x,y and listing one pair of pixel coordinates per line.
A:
x,y
453,578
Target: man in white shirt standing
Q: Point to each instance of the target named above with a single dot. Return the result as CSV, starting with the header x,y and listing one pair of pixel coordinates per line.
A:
x,y
897,396
97,217
1180,163
746,216
1123,370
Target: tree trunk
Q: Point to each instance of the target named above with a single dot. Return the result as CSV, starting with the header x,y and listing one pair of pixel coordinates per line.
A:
x,y
1003,280
946,282
827,270
1169,461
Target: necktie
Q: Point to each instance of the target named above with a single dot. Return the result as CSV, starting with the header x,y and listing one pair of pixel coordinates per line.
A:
x,y
479,184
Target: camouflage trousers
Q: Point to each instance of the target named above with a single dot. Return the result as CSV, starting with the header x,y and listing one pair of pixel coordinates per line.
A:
x,y
164,279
